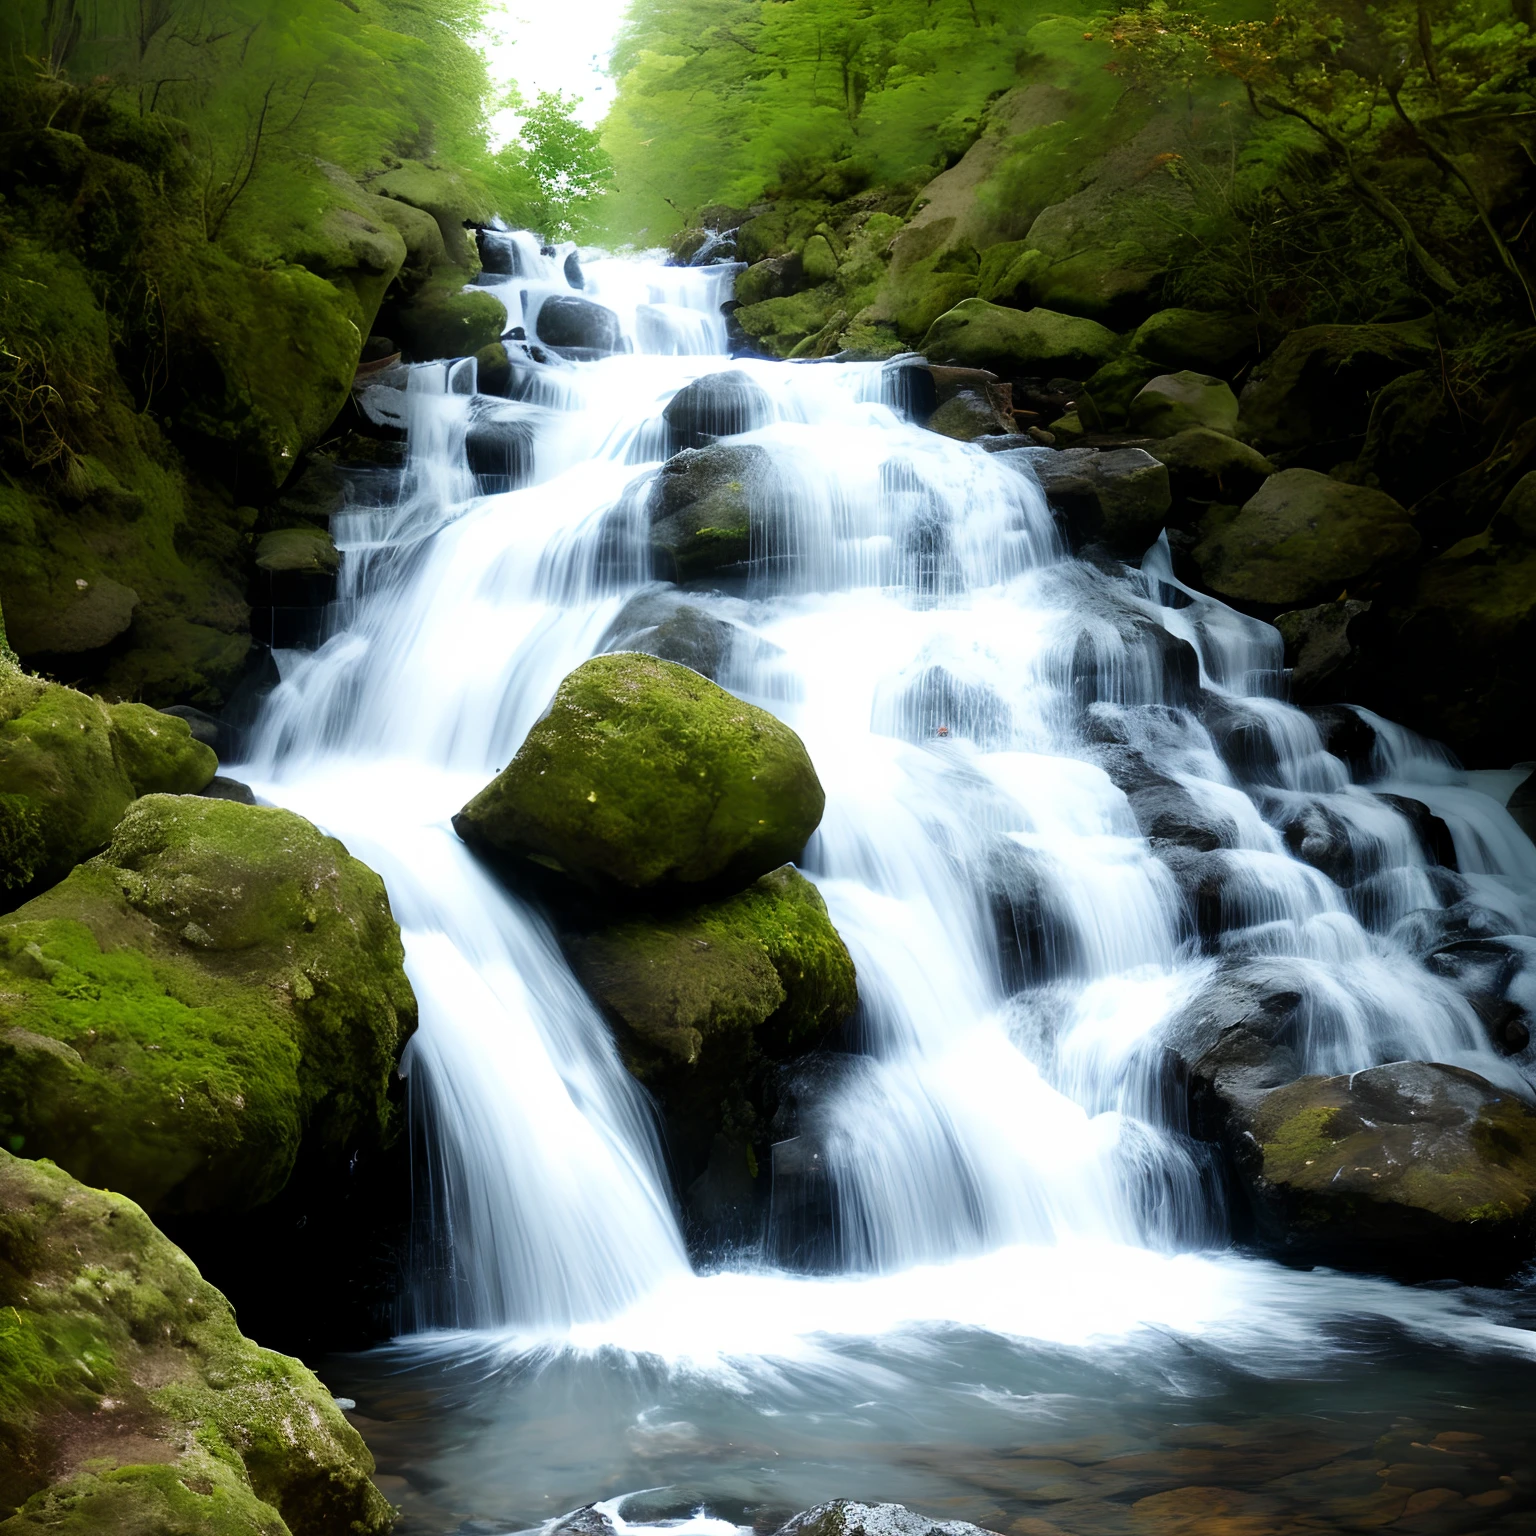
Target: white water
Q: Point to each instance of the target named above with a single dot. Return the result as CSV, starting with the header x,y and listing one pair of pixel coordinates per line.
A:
x,y
1004,1163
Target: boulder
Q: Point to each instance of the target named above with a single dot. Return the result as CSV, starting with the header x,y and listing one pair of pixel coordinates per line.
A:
x,y
702,1000
131,1402
1175,402
499,449
1322,647
1192,338
700,507
1205,465
646,777
578,326
659,623
1492,973
775,277
180,1012
493,370
299,551
1112,387
718,405
968,415
779,326
63,783
1301,539
1118,498
1415,1169
206,728
443,318
1009,341
159,753
845,1517
1315,389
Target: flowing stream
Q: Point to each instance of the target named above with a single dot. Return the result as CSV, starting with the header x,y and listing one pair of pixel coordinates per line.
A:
x,y
1023,1241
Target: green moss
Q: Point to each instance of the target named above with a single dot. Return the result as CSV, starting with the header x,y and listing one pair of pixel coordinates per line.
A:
x,y
179,1012
646,776
1176,402
1035,342
130,1402
1190,338
158,752
778,326
445,319
64,784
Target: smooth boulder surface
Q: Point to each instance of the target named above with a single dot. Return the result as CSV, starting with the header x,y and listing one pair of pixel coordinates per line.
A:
x,y
578,325
1302,539
176,1016
159,753
659,622
1175,402
646,777
718,405
1207,465
131,1403
1322,645
700,507
305,551
1118,498
1414,1169
970,414
1014,342
1193,338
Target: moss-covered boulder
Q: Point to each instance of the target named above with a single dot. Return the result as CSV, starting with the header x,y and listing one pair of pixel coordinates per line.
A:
x,y
1415,1169
702,1001
63,783
700,507
158,751
1192,338
1315,389
1011,342
1209,466
443,318
777,326
1176,402
176,1015
646,777
131,1403
1111,388
969,414
1302,539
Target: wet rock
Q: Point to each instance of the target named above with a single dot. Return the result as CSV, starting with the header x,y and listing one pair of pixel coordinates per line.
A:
x,y
775,277
1414,1169
1315,389
493,371
718,405
1206,466
578,326
1435,840
1317,835
180,1013
702,1000
301,551
499,451
1242,739
1191,338
498,253
221,788
646,777
1489,972
659,623
134,1403
1166,811
938,706
968,415
1178,402
1300,539
572,269
206,728
1346,734
1151,667
700,507
1117,498
844,1517
1009,341
1322,646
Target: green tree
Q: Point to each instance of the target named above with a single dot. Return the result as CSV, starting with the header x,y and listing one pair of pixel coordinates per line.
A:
x,y
558,167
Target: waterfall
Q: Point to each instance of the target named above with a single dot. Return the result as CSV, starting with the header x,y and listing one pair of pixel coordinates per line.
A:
x,y
911,610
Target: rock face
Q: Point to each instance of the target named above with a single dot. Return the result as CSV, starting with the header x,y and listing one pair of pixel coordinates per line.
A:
x,y
845,1517
1119,499
1176,402
130,1401
1415,1169
700,507
1301,539
579,326
718,405
180,1012
645,776
1012,342
703,1001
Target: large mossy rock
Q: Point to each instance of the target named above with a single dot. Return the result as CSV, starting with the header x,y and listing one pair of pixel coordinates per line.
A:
x,y
700,507
443,318
1208,466
1011,342
1414,1169
1191,338
221,983
130,1402
158,751
1315,389
1301,539
1178,402
646,777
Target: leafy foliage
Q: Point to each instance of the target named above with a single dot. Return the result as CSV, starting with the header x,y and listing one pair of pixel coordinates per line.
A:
x,y
556,170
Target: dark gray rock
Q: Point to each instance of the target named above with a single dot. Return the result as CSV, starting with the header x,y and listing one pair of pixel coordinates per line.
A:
x,y
700,507
718,405
845,1517
578,327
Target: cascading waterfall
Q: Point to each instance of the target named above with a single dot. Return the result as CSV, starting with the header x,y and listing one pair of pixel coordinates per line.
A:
x,y
956,676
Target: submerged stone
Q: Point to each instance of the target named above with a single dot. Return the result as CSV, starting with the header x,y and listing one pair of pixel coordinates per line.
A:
x,y
645,776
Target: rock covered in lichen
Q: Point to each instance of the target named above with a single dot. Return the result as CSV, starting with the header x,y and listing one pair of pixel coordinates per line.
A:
x,y
848,1517
181,1011
130,1401
645,776
159,752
